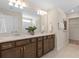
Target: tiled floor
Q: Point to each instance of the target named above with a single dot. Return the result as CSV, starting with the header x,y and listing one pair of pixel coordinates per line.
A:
x,y
71,51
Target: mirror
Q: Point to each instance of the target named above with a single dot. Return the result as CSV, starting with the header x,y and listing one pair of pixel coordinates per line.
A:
x,y
27,21
9,23
16,22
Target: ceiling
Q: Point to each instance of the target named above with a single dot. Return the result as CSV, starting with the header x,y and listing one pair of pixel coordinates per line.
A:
x,y
65,5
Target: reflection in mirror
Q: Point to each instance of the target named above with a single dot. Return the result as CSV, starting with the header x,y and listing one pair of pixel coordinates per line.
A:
x,y
8,23
13,22
27,21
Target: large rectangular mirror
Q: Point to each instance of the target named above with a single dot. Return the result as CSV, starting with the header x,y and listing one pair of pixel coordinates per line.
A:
x,y
14,22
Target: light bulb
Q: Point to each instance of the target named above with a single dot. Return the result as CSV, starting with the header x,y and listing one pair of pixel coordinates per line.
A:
x,y
16,5
11,4
41,12
24,20
21,7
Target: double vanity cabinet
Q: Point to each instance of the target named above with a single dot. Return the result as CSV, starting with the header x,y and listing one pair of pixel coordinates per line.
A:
x,y
32,47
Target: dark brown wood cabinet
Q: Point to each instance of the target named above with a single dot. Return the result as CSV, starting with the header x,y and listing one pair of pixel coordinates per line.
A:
x,y
39,47
27,48
46,49
48,43
11,53
30,49
52,42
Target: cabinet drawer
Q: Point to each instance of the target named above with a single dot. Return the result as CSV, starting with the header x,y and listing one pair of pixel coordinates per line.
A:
x,y
33,40
45,37
52,36
40,38
7,45
11,53
22,42
40,45
49,37
40,53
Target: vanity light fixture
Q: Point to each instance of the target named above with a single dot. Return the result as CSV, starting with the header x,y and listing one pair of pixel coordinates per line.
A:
x,y
17,3
28,21
41,12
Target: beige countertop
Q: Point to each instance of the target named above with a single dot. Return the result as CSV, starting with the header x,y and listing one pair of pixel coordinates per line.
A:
x,y
20,37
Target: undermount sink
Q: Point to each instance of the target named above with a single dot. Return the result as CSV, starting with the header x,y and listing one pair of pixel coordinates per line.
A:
x,y
16,34
19,35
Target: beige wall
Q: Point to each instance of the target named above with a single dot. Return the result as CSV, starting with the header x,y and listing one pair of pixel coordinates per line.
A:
x,y
61,34
54,17
44,23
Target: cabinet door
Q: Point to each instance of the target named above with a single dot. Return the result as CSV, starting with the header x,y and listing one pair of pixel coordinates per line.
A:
x,y
51,43
30,50
11,53
48,44
46,47
39,47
